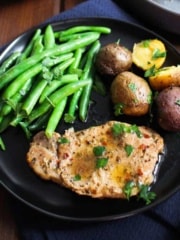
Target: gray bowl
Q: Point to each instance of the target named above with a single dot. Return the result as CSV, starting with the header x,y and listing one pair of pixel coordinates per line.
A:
x,y
162,14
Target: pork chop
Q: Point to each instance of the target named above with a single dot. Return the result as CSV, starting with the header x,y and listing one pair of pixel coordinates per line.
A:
x,y
100,160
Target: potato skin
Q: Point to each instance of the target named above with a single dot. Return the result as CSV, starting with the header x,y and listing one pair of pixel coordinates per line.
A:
x,y
168,108
133,92
112,59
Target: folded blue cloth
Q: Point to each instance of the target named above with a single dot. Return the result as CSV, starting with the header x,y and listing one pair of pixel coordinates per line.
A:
x,y
160,223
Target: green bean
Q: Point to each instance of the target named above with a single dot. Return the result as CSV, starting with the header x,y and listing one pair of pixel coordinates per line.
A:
x,y
64,38
9,62
49,40
37,46
73,106
55,117
2,145
16,120
98,85
31,61
77,58
86,71
40,123
33,96
25,128
49,62
54,84
77,29
74,100
16,98
59,69
5,122
26,52
84,100
56,97
17,84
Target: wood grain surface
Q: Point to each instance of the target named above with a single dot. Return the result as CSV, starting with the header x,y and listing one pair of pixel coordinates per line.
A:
x,y
16,17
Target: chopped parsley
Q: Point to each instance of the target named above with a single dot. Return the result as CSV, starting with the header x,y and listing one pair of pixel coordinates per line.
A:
x,y
158,54
101,162
99,150
68,118
150,72
63,140
177,102
129,149
118,109
149,98
127,189
146,43
132,86
145,194
77,177
120,128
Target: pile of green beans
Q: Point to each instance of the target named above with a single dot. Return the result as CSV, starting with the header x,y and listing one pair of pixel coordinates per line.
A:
x,y
50,79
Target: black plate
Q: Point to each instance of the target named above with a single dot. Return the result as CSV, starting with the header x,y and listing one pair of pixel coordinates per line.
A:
x,y
161,14
49,198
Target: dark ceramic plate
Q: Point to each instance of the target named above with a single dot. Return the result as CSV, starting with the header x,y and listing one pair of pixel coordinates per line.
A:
x,y
53,200
162,14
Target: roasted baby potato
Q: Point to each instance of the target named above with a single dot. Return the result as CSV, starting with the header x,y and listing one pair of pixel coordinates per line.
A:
x,y
130,94
168,107
165,77
149,53
113,59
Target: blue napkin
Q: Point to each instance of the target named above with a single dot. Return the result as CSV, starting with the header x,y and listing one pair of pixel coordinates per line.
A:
x,y
160,223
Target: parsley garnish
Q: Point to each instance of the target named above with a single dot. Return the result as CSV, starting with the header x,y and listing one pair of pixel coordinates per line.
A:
x,y
129,149
68,118
120,128
101,162
132,86
145,194
118,109
77,177
150,72
127,189
146,43
177,102
158,54
149,98
134,129
99,150
63,140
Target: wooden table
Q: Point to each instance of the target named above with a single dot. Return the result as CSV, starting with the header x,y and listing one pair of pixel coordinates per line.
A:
x,y
16,16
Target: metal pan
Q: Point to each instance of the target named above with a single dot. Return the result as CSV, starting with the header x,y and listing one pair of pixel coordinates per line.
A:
x,y
55,201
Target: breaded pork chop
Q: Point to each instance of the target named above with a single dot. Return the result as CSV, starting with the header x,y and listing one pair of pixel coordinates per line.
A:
x,y
100,160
